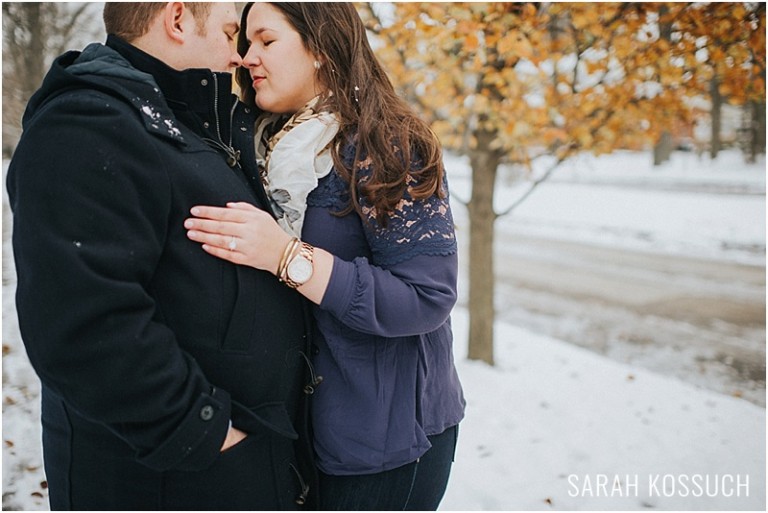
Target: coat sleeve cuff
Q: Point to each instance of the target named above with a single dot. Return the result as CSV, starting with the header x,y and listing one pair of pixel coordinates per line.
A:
x,y
197,441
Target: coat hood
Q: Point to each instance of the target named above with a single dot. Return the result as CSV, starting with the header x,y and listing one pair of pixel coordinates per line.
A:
x,y
102,68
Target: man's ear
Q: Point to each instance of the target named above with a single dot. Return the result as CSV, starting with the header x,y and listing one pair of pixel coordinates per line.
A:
x,y
173,21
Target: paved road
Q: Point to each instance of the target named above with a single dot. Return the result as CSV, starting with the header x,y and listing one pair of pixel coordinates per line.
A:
x,y
700,320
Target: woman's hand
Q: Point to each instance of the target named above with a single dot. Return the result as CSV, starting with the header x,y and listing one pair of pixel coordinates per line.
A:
x,y
240,233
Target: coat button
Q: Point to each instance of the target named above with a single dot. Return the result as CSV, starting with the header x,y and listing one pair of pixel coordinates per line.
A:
x,y
204,82
206,412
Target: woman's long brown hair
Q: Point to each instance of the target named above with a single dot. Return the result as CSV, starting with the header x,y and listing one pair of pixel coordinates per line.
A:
x,y
386,130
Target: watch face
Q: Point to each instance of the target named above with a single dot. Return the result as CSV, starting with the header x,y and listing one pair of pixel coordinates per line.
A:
x,y
300,270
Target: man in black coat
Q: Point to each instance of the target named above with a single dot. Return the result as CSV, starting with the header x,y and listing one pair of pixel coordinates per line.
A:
x,y
170,379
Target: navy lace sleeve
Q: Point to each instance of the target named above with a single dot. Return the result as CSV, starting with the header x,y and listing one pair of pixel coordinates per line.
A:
x,y
415,228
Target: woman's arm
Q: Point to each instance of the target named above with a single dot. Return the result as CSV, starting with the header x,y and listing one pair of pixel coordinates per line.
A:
x,y
415,296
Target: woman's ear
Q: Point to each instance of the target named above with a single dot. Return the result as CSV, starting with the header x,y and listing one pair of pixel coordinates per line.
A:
x,y
173,20
319,61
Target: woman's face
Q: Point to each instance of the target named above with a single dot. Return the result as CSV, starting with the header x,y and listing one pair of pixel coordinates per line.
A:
x,y
282,71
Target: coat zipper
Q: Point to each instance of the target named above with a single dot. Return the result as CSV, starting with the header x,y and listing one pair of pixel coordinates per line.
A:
x,y
233,156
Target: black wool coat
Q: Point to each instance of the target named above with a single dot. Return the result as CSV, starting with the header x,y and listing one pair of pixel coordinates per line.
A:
x,y
145,345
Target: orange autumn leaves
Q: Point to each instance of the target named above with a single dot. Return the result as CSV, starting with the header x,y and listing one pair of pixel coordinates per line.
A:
x,y
567,77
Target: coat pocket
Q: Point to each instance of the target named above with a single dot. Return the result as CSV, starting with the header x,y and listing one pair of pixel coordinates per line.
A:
x,y
272,416
245,477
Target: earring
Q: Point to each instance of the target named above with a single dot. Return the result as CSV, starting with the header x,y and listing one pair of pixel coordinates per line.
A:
x,y
318,64
357,90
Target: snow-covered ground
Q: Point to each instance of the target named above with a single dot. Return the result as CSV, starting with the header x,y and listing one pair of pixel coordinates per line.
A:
x,y
551,420
553,426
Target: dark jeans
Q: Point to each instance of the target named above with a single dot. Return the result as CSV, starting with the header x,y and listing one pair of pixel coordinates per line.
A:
x,y
416,486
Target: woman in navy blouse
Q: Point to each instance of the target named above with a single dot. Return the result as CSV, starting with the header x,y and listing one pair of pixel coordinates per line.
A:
x,y
377,254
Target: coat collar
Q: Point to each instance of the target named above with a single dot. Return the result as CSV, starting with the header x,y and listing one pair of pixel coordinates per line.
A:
x,y
191,87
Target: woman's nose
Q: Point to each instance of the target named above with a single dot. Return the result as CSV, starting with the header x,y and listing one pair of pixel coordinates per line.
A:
x,y
251,59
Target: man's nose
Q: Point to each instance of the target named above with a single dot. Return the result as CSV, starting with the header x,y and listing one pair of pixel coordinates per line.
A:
x,y
235,61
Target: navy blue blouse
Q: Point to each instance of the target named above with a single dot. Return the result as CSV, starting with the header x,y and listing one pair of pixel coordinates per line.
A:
x,y
384,333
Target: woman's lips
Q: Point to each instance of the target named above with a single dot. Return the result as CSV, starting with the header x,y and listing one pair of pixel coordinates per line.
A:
x,y
258,80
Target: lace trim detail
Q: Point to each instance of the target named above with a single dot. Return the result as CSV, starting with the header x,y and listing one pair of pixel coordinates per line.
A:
x,y
331,192
415,228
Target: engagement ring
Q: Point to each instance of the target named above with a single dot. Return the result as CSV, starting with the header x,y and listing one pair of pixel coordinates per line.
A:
x,y
232,244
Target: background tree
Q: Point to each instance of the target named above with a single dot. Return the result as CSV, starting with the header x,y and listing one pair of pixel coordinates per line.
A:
x,y
515,83
732,45
33,34
721,48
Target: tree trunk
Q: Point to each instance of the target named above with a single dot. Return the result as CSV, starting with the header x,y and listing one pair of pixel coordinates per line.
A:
x,y
715,145
759,117
34,59
485,163
663,149
757,144
23,66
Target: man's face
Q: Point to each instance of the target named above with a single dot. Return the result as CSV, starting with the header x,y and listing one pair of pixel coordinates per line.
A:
x,y
216,47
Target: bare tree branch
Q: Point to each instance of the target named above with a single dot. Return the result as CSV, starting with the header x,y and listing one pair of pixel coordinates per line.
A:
x,y
66,30
533,186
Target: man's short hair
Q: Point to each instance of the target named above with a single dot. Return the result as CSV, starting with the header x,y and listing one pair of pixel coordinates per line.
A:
x,y
131,20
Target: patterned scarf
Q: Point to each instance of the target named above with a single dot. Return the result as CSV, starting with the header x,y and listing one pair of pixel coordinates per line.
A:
x,y
268,142
292,155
